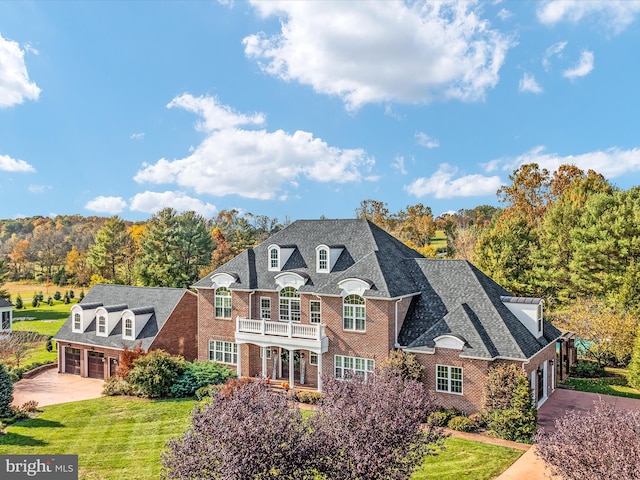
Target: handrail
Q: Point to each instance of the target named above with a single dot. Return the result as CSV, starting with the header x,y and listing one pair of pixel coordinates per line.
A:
x,y
280,329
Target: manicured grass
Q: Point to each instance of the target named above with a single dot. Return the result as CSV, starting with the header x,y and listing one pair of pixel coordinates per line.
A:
x,y
115,437
122,437
26,290
467,460
615,383
439,240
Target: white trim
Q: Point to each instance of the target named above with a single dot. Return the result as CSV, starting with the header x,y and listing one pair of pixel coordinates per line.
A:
x,y
221,280
289,279
311,312
351,286
449,341
234,353
450,380
262,317
354,360
270,264
224,306
326,260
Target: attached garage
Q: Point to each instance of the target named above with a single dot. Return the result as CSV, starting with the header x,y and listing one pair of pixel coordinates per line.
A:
x,y
72,360
95,365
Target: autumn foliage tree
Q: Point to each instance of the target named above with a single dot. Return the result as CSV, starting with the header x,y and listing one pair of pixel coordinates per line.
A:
x,y
602,443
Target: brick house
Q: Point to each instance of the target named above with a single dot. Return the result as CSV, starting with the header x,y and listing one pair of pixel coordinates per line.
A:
x,y
334,296
112,317
6,315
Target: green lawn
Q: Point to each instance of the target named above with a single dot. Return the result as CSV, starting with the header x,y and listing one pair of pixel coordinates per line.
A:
x,y
121,438
615,383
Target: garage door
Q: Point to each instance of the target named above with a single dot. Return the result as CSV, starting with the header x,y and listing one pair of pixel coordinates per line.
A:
x,y
96,365
72,360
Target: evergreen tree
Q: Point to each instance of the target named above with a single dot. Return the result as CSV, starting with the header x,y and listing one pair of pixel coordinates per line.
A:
x,y
6,392
633,376
108,254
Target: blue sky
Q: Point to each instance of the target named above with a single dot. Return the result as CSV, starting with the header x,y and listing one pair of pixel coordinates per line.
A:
x,y
302,109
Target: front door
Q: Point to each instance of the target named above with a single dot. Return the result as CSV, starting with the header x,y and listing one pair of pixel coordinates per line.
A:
x,y
113,365
540,383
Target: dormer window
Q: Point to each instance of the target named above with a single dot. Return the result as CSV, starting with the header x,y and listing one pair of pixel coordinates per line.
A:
x,y
77,322
278,256
274,259
322,259
540,317
128,328
102,326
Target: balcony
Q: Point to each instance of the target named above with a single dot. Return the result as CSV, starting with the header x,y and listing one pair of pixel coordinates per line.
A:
x,y
284,334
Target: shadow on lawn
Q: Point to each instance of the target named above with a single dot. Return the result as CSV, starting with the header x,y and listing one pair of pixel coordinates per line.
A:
x,y
39,423
21,440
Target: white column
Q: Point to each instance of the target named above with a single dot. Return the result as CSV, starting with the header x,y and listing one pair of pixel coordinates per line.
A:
x,y
264,361
279,362
320,372
239,366
292,377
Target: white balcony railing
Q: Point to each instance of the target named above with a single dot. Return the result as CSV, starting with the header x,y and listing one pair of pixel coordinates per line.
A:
x,y
279,329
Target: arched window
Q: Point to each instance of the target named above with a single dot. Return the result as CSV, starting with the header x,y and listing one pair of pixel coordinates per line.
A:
x,y
128,328
353,313
289,305
223,302
77,324
102,325
323,260
274,259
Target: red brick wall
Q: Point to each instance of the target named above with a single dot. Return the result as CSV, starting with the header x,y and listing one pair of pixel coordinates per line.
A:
x,y
547,353
179,334
211,328
108,353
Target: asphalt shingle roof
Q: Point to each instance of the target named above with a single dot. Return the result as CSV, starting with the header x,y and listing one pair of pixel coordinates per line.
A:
x,y
160,301
5,303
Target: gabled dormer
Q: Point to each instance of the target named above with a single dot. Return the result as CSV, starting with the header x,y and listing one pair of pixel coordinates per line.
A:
x,y
530,312
107,318
326,257
134,320
81,316
278,256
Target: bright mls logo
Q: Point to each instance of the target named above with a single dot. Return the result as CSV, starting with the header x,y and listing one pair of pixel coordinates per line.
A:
x,y
51,467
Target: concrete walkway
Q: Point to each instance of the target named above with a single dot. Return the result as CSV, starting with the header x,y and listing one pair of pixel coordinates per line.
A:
x,y
51,387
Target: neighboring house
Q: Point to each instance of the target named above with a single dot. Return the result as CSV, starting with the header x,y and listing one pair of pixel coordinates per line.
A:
x,y
112,317
335,296
6,315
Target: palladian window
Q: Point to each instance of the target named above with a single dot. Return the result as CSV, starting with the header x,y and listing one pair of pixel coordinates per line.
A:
x,y
223,303
289,305
353,313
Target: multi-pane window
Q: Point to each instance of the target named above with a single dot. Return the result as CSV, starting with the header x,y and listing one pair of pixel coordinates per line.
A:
x,y
6,320
323,260
353,313
102,325
274,260
314,311
313,358
449,379
265,351
128,328
223,352
346,366
223,302
265,308
77,324
289,305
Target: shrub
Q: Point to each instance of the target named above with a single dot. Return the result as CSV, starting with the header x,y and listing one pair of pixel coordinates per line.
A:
x,y
154,374
50,301
81,295
633,377
478,420
501,382
518,422
19,303
198,375
587,369
461,424
57,295
601,443
439,418
403,364
307,396
35,302
71,294
6,392
31,406
127,357
231,385
118,386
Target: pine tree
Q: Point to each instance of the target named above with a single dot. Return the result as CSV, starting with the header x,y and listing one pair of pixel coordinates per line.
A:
x,y
633,376
6,392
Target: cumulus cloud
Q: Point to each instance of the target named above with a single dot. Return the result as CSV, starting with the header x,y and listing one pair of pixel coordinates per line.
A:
x,y
583,68
153,202
504,14
528,84
443,184
554,50
614,14
15,86
8,164
110,205
613,162
251,163
426,141
374,52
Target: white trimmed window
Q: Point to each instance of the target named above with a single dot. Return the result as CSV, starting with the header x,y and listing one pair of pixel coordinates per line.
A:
x,y
314,311
322,260
223,352
345,366
274,259
265,308
102,325
289,305
128,328
223,302
313,358
449,379
353,313
266,350
77,323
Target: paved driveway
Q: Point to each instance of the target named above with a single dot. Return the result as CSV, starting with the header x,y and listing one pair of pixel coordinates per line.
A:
x,y
529,466
51,387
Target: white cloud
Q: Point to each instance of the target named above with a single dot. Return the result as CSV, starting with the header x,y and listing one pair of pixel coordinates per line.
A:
x,y
528,84
554,50
442,184
15,86
614,14
583,68
504,14
110,205
373,52
426,141
9,164
398,165
152,202
38,189
613,162
137,136
251,163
